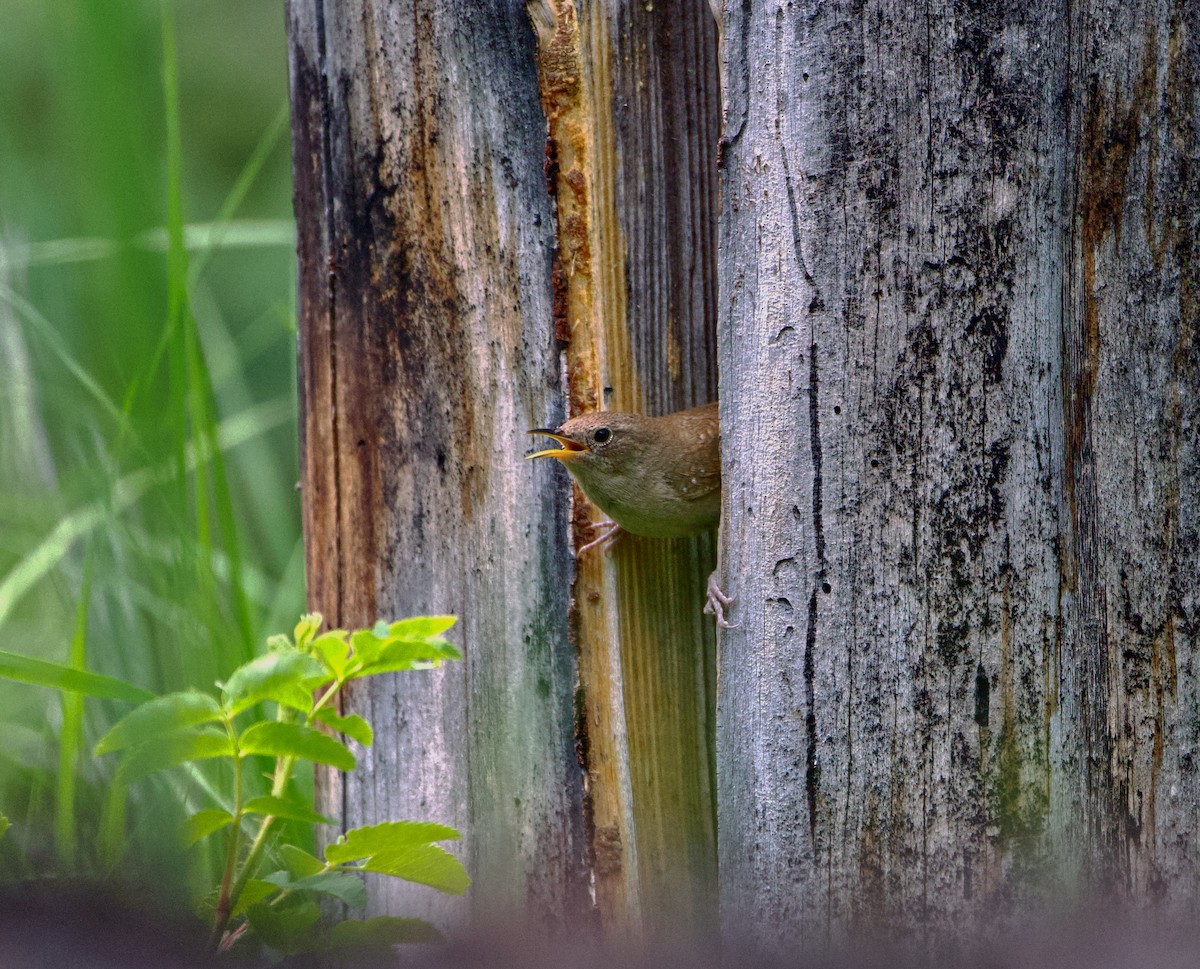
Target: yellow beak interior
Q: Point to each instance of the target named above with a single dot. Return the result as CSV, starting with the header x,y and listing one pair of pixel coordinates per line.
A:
x,y
566,447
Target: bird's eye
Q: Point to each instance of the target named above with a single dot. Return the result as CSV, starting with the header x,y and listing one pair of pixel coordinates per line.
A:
x,y
602,435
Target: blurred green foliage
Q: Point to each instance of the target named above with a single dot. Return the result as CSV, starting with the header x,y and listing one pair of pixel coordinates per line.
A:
x,y
149,522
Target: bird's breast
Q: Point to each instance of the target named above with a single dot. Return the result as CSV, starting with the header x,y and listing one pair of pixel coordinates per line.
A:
x,y
648,505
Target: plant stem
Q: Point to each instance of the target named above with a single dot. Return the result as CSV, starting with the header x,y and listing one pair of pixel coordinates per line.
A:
x,y
231,887
283,772
326,698
226,898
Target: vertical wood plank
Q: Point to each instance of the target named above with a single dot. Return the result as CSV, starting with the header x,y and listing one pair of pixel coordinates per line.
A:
x,y
1131,382
960,394
891,282
631,96
426,352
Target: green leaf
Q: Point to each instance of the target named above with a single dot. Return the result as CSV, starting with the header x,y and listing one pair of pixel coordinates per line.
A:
x,y
407,654
333,650
5,824
159,716
285,677
450,651
254,891
424,864
286,928
299,863
298,699
340,884
408,644
388,836
277,739
384,931
403,849
353,726
26,669
170,751
366,645
421,627
288,810
307,628
203,823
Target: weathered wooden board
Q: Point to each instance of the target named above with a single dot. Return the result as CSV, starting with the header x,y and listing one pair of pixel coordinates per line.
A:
x,y
959,398
427,350
631,95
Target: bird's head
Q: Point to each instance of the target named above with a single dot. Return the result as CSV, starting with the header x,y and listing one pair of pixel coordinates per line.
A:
x,y
652,475
597,440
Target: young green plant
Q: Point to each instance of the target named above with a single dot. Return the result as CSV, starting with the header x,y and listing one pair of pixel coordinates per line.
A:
x,y
301,678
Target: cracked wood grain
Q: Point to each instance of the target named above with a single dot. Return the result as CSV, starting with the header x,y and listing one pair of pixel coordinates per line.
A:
x,y
426,351
959,401
631,96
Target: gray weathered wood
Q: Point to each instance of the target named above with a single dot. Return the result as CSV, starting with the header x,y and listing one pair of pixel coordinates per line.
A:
x,y
961,412
1130,570
959,397
427,350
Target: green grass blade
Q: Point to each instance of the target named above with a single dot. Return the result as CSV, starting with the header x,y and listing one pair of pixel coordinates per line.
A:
x,y
205,238
217,232
220,231
200,402
205,417
183,340
70,740
178,384
49,333
26,669
57,252
112,824
46,555
98,181
202,238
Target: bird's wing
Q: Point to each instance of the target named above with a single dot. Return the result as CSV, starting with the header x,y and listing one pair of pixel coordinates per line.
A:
x,y
695,486
700,476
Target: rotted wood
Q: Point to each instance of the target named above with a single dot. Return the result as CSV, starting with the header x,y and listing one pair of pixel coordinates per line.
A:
x,y
1126,772
631,95
426,351
960,396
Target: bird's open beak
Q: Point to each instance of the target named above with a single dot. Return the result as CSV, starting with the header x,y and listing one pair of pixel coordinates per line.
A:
x,y
566,447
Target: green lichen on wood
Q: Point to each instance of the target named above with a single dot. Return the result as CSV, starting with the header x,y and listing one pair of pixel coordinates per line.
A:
x,y
1019,804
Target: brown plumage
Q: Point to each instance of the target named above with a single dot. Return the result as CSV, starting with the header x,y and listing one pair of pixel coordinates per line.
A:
x,y
657,476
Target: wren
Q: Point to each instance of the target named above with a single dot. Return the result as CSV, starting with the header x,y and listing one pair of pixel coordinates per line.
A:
x,y
655,476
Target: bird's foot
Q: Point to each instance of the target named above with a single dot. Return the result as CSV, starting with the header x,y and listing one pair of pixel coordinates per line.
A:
x,y
718,602
606,540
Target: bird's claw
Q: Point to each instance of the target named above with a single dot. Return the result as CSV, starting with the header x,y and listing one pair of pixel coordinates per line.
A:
x,y
606,540
718,602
